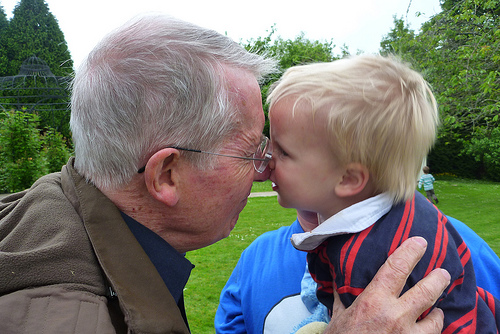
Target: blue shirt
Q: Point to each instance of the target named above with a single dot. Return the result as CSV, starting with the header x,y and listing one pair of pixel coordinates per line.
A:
x,y
427,180
172,266
263,293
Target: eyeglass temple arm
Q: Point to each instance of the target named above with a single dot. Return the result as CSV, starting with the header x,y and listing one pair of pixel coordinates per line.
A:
x,y
142,169
219,154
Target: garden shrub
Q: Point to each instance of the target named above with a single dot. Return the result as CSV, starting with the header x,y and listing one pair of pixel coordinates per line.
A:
x,y
25,154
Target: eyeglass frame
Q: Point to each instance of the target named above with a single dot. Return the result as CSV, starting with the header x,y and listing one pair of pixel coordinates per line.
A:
x,y
267,155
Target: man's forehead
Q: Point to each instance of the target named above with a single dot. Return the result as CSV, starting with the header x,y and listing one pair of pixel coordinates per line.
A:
x,y
240,83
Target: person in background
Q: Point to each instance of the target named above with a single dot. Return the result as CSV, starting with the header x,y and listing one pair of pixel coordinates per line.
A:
x,y
427,180
167,124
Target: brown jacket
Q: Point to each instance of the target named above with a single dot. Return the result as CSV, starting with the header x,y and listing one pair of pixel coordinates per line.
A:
x,y
62,245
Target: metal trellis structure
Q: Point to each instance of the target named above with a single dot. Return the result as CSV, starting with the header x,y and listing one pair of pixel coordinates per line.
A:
x,y
37,90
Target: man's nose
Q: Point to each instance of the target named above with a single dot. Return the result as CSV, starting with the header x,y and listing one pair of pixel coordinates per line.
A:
x,y
261,177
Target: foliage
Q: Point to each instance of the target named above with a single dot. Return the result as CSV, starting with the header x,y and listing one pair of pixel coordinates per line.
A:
x,y
3,54
446,157
484,146
25,154
39,92
3,18
56,150
458,51
33,30
20,144
288,53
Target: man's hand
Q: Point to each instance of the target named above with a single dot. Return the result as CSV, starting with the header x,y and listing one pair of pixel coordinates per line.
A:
x,y
379,309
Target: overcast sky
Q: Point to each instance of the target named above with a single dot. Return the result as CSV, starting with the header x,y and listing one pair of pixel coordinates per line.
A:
x,y
359,24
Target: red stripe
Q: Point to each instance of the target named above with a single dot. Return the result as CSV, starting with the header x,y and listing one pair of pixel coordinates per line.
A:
x,y
465,257
438,243
461,248
351,259
409,224
457,282
343,253
466,318
444,244
464,253
474,319
349,289
488,298
398,237
325,286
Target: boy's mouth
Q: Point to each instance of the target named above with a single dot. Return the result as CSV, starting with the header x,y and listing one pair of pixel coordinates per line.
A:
x,y
275,187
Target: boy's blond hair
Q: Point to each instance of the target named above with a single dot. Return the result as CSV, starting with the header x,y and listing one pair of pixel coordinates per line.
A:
x,y
379,113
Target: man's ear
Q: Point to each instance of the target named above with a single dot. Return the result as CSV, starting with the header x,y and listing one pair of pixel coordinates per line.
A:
x,y
161,176
353,181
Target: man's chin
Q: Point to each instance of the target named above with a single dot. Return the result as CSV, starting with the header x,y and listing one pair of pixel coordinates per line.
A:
x,y
233,225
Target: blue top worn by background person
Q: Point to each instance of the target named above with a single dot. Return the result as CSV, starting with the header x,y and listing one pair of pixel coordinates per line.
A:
x,y
427,180
263,293
486,262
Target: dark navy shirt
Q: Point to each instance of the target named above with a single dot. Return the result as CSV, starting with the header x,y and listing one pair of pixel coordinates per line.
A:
x,y
172,266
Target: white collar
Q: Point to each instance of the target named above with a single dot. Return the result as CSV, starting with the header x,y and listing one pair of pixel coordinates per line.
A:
x,y
352,219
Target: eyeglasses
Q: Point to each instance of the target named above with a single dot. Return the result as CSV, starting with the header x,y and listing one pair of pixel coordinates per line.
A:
x,y
260,157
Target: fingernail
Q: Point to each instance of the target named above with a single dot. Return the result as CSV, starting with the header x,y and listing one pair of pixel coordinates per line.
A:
x,y
421,241
445,274
440,311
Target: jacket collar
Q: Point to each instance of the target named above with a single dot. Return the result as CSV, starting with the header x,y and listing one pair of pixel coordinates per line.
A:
x,y
144,299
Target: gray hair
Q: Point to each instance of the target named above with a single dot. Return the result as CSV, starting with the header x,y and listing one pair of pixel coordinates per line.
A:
x,y
154,82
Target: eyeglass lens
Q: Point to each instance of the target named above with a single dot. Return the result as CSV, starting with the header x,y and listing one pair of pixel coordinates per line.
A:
x,y
264,151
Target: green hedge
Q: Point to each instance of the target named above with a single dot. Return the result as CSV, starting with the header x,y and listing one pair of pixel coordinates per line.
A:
x,y
26,151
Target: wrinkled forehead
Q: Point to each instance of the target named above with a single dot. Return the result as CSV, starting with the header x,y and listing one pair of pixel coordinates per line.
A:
x,y
244,95
241,84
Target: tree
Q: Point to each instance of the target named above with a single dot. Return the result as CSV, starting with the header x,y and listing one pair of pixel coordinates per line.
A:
x,y
35,59
34,31
485,148
3,18
289,53
400,40
458,51
3,33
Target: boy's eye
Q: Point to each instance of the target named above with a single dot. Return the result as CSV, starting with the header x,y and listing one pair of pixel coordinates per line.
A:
x,y
282,152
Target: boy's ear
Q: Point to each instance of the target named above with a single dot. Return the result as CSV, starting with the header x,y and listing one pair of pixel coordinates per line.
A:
x,y
353,181
161,176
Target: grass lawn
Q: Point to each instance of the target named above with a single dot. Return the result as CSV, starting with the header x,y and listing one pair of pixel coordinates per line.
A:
x,y
476,203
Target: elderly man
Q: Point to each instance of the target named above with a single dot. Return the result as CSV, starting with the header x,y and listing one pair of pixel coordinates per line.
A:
x,y
167,125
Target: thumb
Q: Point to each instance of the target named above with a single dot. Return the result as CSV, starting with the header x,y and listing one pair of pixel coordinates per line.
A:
x,y
338,307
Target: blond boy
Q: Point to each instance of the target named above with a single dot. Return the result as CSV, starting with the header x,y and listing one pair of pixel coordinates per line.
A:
x,y
349,138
